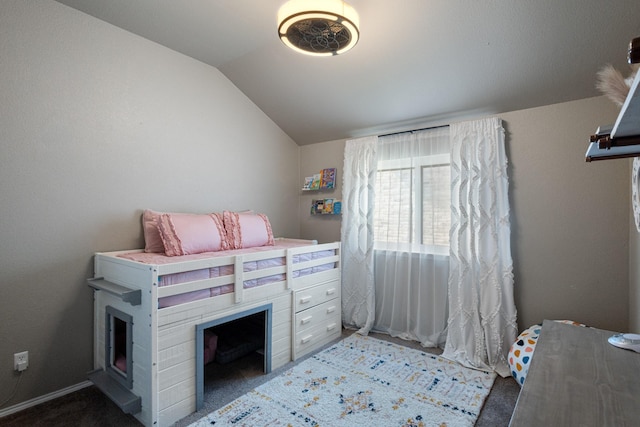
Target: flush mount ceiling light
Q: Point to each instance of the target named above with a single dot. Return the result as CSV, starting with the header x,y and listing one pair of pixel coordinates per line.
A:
x,y
318,27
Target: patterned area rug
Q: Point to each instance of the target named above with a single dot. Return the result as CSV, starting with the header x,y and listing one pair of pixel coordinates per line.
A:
x,y
362,381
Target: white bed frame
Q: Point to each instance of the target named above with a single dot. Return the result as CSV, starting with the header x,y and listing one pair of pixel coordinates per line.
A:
x,y
164,340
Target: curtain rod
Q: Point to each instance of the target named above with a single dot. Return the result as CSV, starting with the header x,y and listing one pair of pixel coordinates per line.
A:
x,y
413,130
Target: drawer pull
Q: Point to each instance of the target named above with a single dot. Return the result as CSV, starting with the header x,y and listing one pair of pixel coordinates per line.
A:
x,y
305,300
331,326
331,291
306,320
306,339
331,309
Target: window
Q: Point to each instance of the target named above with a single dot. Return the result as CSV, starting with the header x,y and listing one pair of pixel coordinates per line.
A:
x,y
413,204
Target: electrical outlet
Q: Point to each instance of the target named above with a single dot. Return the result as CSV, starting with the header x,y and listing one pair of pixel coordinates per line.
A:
x,y
21,361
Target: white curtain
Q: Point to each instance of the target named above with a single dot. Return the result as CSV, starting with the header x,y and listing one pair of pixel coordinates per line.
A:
x,y
358,293
411,269
482,313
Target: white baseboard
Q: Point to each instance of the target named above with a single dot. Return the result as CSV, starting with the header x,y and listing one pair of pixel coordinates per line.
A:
x,y
47,397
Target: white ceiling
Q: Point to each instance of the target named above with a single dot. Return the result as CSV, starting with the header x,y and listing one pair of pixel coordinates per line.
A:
x,y
418,62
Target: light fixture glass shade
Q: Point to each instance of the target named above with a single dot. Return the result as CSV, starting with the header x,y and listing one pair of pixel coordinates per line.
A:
x,y
318,27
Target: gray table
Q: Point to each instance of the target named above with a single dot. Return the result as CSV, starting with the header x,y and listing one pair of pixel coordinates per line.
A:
x,y
577,378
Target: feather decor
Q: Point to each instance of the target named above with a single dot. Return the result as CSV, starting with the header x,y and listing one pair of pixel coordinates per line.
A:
x,y
613,84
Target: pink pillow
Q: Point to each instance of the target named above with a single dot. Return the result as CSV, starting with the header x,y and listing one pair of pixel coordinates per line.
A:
x,y
247,230
152,239
185,234
121,362
210,346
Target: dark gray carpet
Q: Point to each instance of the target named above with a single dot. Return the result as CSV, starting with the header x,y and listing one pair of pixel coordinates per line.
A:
x,y
224,383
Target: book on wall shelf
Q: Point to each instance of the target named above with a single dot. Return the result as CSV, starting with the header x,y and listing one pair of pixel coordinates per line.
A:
x,y
315,183
307,183
326,207
324,180
328,178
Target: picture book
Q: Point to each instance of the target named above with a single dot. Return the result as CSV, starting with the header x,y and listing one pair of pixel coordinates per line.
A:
x,y
315,184
328,206
317,206
307,183
328,178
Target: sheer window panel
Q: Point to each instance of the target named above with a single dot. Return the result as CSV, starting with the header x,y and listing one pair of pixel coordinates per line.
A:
x,y
411,236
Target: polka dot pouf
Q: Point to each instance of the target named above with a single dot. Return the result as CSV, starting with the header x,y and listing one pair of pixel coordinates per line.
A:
x,y
522,350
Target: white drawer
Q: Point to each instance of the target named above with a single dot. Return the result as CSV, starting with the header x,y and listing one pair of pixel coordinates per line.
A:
x,y
310,339
309,297
323,313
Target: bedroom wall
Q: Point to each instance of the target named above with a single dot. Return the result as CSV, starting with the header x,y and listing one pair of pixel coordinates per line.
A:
x,y
97,124
314,158
570,219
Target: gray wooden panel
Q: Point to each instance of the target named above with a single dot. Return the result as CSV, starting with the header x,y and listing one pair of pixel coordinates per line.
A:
x,y
627,123
577,378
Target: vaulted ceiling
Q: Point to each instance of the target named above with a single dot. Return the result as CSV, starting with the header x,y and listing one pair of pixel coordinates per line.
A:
x,y
418,62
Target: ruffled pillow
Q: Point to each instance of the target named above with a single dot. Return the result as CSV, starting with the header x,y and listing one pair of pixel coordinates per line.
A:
x,y
185,234
247,230
152,240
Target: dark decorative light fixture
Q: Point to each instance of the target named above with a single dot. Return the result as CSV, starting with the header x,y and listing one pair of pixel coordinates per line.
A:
x,y
318,27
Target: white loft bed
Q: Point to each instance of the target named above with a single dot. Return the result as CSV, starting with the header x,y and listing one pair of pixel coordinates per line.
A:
x,y
163,360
